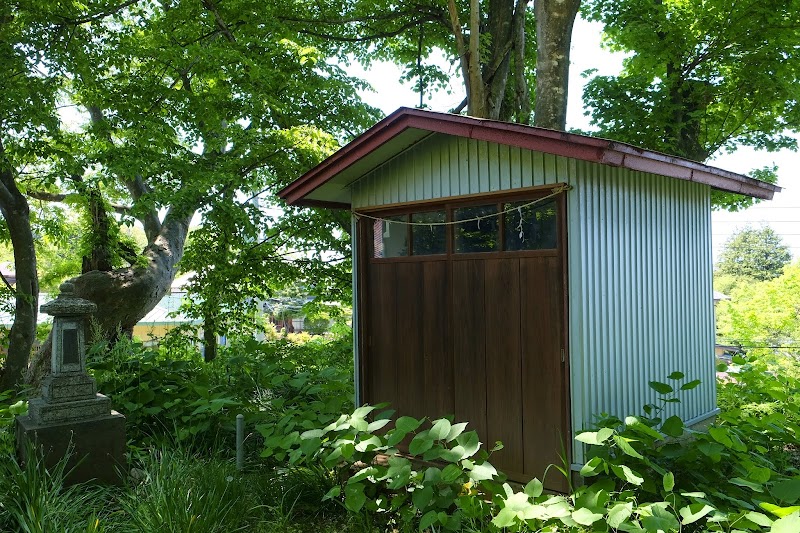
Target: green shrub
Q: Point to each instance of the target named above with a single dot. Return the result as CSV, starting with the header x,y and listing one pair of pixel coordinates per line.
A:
x,y
188,400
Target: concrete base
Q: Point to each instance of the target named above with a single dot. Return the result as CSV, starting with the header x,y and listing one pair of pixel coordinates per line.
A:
x,y
97,446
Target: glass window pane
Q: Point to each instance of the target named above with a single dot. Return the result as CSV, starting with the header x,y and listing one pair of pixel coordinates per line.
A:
x,y
428,240
531,227
477,235
390,239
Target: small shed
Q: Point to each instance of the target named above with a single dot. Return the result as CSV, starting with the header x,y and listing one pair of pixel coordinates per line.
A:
x,y
523,279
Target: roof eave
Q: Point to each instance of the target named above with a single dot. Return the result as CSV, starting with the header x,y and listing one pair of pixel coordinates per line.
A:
x,y
571,145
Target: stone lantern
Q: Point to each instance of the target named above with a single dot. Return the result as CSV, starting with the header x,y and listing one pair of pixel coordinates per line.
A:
x,y
70,416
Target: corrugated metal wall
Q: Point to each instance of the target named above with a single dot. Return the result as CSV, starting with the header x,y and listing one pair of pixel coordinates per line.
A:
x,y
442,165
639,260
640,296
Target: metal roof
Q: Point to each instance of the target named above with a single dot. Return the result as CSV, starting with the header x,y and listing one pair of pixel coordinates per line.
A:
x,y
327,183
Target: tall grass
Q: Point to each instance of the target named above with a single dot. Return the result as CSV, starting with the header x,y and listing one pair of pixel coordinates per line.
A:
x,y
34,499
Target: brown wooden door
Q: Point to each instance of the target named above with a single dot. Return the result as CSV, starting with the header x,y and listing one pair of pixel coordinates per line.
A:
x,y
478,336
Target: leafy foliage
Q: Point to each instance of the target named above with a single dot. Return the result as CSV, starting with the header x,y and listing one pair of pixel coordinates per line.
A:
x,y
761,315
698,79
174,396
758,254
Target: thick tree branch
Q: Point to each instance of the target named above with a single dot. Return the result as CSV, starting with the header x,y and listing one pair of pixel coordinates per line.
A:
x,y
209,4
152,225
60,197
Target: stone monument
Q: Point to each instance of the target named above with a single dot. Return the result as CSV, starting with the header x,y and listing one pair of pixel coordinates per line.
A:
x,y
70,416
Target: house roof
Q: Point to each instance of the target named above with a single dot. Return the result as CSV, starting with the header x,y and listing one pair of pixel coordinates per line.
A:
x,y
326,184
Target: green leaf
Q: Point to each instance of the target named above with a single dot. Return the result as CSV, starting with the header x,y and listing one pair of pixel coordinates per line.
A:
x,y
333,493
456,430
395,437
312,433
619,513
534,488
625,473
779,511
787,491
354,497
721,435
505,518
451,473
661,388
407,424
585,516
691,385
759,519
660,520
19,408
482,471
694,512
669,481
428,519
595,437
420,444
369,444
470,442
787,524
627,449
738,360
759,474
594,466
676,375
421,497
440,430
758,487
640,427
363,411
378,424
673,426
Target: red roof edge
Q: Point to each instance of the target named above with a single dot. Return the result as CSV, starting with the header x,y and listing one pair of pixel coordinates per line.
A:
x,y
571,145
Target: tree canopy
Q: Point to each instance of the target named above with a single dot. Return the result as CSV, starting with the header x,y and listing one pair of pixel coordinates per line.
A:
x,y
754,254
700,77
179,108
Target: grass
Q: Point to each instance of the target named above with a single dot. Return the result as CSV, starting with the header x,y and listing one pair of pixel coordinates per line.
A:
x,y
169,491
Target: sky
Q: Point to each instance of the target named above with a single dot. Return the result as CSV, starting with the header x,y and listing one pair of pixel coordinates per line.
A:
x,y
782,213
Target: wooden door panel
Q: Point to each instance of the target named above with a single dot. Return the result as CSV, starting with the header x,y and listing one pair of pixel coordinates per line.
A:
x,y
408,339
469,343
543,405
438,357
380,365
503,362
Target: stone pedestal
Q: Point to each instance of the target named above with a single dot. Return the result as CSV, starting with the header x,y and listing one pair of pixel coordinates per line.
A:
x,y
71,418
96,446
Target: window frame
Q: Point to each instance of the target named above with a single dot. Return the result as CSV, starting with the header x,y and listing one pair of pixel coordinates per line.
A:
x,y
448,205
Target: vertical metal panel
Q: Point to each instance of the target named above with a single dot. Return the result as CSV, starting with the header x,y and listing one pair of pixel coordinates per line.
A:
x,y
640,299
441,166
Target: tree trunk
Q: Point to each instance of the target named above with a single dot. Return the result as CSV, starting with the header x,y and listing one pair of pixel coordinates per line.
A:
x,y
554,21
124,296
16,212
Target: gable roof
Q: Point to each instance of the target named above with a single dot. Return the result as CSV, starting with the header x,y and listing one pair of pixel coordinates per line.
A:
x,y
326,183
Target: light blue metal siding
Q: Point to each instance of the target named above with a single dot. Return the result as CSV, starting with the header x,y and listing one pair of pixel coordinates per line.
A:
x,y
639,265
640,297
442,166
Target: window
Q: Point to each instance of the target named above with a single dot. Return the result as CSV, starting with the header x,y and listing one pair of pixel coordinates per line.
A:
x,y
480,230
429,240
517,226
530,227
390,237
